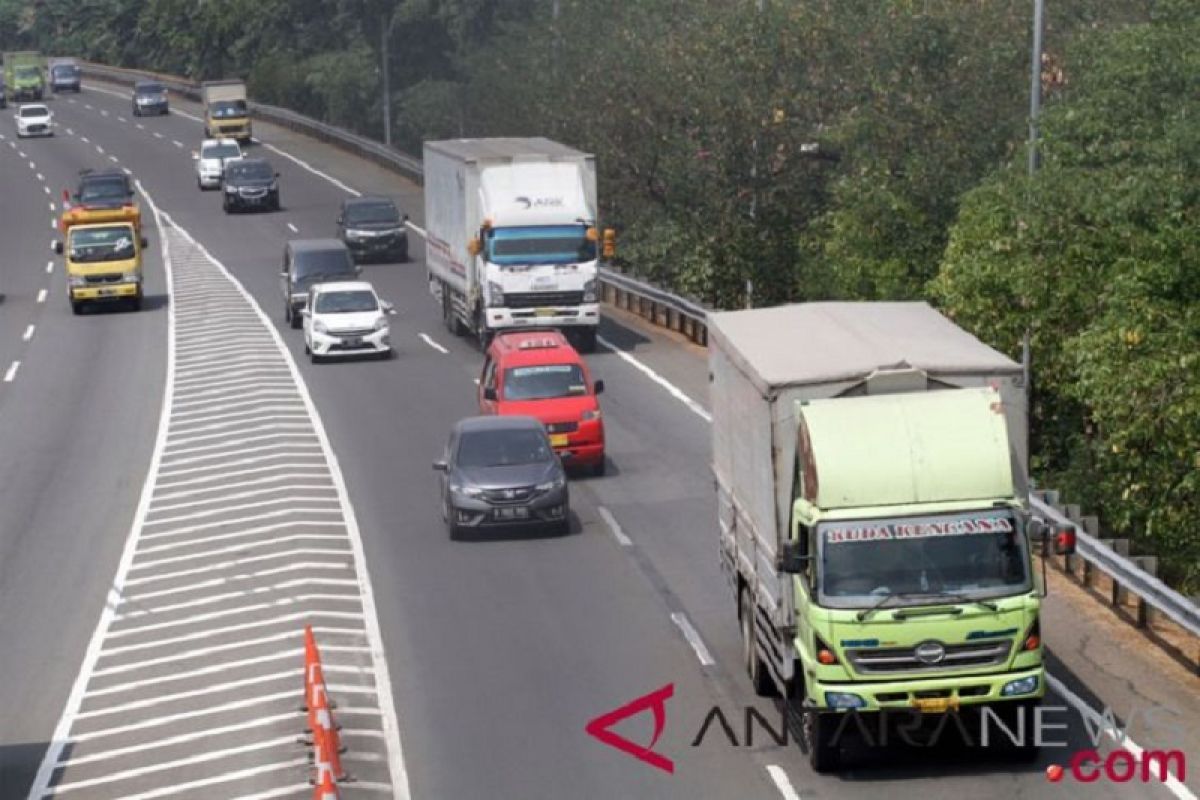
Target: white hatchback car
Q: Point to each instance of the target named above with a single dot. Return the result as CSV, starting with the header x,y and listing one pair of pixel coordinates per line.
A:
x,y
34,120
346,318
210,162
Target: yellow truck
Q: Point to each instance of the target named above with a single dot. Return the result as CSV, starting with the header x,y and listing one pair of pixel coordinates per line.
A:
x,y
103,264
101,196
226,115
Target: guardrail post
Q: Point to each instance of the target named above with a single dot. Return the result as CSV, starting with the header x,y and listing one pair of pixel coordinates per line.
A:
x,y
1091,525
1121,548
1145,613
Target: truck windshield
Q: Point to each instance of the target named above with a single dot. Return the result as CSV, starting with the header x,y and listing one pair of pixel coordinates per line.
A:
x,y
553,244
544,381
228,109
101,244
974,555
26,73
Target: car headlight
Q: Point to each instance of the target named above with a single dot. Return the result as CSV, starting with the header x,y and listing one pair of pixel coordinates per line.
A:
x,y
549,486
381,324
589,291
495,294
319,327
466,491
230,189
1020,686
590,415
355,234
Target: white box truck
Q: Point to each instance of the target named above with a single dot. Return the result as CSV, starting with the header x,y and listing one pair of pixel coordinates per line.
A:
x,y
870,464
511,238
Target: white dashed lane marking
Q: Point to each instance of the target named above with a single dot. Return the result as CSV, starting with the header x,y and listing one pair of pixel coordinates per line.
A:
x,y
12,372
41,298
244,535
28,333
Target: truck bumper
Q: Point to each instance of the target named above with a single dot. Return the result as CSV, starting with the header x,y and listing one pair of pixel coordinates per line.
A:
x,y
112,291
933,694
587,315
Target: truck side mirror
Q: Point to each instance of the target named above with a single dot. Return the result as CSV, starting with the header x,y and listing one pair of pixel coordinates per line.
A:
x,y
56,246
599,387
792,557
489,393
144,242
440,466
609,247
474,247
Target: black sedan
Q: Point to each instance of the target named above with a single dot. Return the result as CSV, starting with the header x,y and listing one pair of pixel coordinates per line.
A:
x,y
373,227
149,97
250,183
501,472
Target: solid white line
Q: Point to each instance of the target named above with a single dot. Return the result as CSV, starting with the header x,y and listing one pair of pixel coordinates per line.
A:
x,y
241,562
213,633
200,758
205,421
158,722
312,169
429,341
161,548
182,738
234,429
228,612
186,115
293,228
615,527
1173,784
244,495
671,388
195,673
12,372
216,688
242,594
298,450
289,475
391,727
41,297
693,637
309,470
236,775
782,783
266,437
28,333
49,267
62,729
241,548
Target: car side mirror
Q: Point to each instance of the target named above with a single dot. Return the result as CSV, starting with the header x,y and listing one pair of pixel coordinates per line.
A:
x,y
57,246
283,274
276,174
406,218
489,393
305,312
387,307
145,243
340,219
598,388
195,156
358,269
792,557
440,466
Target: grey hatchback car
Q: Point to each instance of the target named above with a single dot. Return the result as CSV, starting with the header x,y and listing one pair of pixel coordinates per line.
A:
x,y
500,471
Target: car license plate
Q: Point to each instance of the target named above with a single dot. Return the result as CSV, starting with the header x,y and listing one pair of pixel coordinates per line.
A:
x,y
545,312
520,512
352,341
934,705
558,440
107,292
544,282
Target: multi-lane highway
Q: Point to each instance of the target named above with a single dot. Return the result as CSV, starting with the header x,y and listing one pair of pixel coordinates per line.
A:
x,y
234,492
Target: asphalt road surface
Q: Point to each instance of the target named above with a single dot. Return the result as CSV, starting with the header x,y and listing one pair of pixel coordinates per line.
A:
x,y
282,493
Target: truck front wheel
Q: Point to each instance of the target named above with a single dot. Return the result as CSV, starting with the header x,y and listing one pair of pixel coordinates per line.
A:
x,y
760,676
823,755
587,340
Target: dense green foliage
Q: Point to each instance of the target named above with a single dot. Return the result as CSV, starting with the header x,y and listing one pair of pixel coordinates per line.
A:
x,y
812,149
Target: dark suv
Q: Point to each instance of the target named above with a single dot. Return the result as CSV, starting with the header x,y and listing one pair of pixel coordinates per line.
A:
x,y
310,261
373,226
149,97
500,472
250,183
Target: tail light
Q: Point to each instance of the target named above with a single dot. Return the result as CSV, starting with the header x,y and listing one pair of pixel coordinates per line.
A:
x,y
1064,540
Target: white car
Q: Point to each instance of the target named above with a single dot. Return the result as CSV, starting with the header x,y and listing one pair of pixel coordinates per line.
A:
x,y
210,163
34,120
346,318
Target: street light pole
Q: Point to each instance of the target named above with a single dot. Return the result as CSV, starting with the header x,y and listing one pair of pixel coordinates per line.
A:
x,y
1035,84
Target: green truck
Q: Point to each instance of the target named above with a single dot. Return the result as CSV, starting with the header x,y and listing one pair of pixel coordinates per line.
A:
x,y
870,463
23,76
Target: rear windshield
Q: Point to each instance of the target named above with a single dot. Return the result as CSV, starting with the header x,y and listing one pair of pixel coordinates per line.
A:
x,y
346,302
372,212
322,262
503,448
101,244
543,382
103,191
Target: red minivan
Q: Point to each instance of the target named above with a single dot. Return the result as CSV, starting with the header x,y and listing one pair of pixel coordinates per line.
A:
x,y
538,373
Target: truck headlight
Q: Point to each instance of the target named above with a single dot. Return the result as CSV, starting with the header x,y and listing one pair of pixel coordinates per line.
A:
x,y
1020,686
131,277
844,700
589,291
76,280
495,294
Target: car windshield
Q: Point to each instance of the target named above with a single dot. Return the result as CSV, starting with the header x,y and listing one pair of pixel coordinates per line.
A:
x,y
351,302
103,191
228,109
220,151
360,213
253,170
66,71
150,89
101,244
544,381
503,448
554,244
34,111
322,264
973,555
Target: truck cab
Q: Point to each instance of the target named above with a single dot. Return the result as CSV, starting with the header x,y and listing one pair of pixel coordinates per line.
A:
x,y
539,374
103,264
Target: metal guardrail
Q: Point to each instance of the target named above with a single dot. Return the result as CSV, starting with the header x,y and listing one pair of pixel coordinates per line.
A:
x,y
1125,574
690,318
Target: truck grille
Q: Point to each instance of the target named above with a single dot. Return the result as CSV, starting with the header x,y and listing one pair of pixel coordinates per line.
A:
x,y
542,299
904,659
110,278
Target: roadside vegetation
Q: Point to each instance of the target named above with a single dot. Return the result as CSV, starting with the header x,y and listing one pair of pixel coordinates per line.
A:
x,y
814,149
